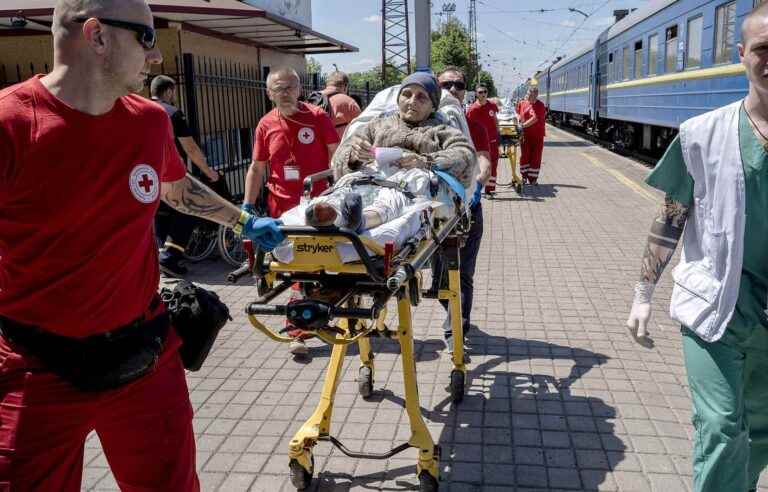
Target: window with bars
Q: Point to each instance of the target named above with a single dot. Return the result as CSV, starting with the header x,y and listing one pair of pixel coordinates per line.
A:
x,y
725,32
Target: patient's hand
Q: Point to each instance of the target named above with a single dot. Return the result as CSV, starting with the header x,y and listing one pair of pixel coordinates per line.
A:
x,y
411,160
362,151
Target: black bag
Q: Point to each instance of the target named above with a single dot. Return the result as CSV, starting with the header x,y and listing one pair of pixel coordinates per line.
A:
x,y
99,362
197,315
322,101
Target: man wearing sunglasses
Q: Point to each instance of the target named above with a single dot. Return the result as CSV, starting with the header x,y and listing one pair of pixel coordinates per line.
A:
x,y
452,80
85,343
483,112
533,115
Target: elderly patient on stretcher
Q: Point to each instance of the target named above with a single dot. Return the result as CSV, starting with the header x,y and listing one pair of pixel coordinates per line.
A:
x,y
396,163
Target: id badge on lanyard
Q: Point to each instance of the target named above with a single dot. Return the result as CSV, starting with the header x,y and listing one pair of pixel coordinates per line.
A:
x,y
291,171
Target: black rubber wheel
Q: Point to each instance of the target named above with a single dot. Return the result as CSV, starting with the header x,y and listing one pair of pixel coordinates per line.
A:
x,y
457,386
300,478
365,381
427,483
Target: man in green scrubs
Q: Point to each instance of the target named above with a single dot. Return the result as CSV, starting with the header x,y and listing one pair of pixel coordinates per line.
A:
x,y
728,378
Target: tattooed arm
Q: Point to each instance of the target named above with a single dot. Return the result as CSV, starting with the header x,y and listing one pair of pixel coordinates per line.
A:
x,y
666,231
190,196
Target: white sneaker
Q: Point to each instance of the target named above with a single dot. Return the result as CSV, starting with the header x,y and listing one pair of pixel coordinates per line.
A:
x,y
298,347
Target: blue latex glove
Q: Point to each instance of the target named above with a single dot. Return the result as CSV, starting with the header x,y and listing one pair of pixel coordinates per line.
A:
x,y
248,207
476,195
264,231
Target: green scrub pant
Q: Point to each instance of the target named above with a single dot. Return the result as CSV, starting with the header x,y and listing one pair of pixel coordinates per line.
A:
x,y
729,388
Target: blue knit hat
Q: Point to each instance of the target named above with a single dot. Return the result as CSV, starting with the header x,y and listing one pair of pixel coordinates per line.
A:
x,y
425,81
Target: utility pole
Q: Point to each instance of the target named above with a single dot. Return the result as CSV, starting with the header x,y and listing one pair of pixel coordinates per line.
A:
x,y
423,35
474,56
395,38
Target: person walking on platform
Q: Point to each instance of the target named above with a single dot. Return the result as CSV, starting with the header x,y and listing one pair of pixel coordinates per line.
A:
x,y
532,114
715,176
291,142
452,79
483,112
343,109
85,342
172,228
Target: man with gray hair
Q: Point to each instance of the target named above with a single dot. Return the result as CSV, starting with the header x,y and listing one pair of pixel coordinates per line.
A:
x,y
291,142
85,342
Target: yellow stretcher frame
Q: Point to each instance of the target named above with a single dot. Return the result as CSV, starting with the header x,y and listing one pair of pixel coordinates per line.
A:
x,y
324,260
510,139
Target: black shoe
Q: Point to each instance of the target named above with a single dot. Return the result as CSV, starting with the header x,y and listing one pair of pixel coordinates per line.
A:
x,y
169,263
352,211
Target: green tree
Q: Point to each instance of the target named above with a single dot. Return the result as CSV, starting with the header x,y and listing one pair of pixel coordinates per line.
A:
x,y
313,66
451,46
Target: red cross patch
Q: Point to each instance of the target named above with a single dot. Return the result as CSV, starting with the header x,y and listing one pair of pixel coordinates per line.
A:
x,y
306,135
144,183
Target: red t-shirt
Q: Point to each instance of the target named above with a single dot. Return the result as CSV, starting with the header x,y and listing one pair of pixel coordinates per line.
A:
x,y
526,111
485,115
78,195
295,147
479,136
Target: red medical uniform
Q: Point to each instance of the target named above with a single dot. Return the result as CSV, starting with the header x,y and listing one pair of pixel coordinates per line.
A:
x,y
532,146
295,146
479,137
485,115
78,195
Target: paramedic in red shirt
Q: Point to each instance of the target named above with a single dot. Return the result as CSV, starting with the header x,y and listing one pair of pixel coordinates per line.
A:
x,y
483,112
83,166
532,115
291,142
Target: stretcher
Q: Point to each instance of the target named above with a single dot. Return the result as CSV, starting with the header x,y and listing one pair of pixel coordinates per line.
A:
x,y
352,308
510,134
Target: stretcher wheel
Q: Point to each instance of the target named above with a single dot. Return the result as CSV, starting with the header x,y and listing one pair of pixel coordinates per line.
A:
x,y
365,381
300,478
427,483
457,386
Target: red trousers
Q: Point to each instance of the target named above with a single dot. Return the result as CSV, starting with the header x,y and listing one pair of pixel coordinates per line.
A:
x,y
531,149
145,428
494,151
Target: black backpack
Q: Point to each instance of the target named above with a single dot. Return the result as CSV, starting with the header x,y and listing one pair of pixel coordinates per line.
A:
x,y
322,101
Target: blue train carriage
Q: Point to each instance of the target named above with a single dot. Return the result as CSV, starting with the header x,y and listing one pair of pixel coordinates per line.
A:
x,y
663,64
568,91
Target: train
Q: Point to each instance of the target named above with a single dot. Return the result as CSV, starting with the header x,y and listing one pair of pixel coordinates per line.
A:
x,y
651,70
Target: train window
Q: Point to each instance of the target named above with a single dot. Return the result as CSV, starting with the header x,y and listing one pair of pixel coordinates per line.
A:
x,y
639,59
610,67
725,32
693,44
626,73
653,54
670,49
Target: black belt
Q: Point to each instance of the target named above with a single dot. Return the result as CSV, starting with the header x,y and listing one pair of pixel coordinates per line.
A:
x,y
97,362
370,180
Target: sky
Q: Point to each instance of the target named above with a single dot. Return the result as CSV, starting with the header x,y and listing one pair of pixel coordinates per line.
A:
x,y
514,37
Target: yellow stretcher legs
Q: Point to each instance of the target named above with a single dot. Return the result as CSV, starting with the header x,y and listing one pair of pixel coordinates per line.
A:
x,y
512,156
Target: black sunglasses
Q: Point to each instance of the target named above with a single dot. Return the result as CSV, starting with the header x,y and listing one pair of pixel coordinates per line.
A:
x,y
458,84
482,92
146,35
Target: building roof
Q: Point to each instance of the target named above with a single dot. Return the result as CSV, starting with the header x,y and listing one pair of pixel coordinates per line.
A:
x,y
229,19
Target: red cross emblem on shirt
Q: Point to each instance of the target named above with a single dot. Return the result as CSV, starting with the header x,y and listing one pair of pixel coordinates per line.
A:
x,y
306,135
146,183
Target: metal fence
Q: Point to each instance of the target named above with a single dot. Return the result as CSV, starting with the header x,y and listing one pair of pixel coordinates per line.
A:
x,y
223,101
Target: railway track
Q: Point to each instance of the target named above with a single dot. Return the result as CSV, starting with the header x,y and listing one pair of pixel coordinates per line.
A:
x,y
644,159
